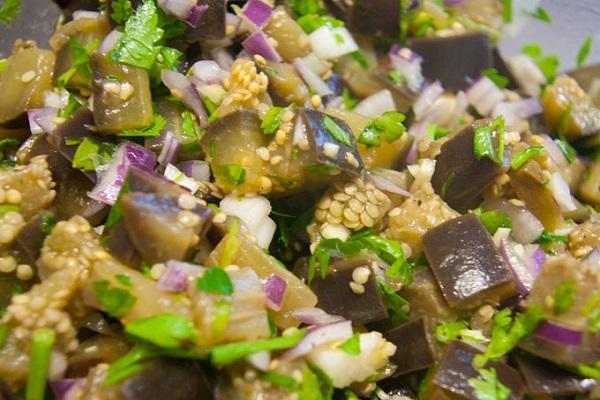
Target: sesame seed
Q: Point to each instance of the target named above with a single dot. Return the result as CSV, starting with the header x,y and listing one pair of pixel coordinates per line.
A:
x,y
330,150
13,196
188,219
7,264
276,160
126,92
220,218
24,272
157,270
303,144
352,159
260,59
280,137
186,201
28,76
361,275
229,30
263,153
356,288
316,101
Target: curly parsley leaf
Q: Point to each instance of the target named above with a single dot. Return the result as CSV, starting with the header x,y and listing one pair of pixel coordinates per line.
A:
x,y
541,14
158,124
499,80
215,280
337,132
492,220
92,154
9,11
169,331
445,333
121,11
489,387
352,345
484,143
388,126
116,301
563,297
584,51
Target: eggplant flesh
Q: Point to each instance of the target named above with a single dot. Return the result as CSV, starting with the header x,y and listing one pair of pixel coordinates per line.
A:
x,y
415,347
285,85
455,61
455,369
546,379
466,263
459,177
212,24
375,17
336,297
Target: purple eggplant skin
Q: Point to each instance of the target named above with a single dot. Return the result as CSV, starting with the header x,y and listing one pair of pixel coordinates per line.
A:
x,y
336,297
72,199
70,6
502,68
29,241
166,378
318,135
403,97
455,369
460,178
415,347
455,61
375,17
569,356
338,8
546,379
466,263
212,23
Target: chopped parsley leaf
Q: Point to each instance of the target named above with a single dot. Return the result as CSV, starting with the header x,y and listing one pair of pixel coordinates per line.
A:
x,y
215,280
116,212
484,144
272,120
48,222
499,80
232,174
564,295
285,381
541,14
396,77
348,100
170,331
493,220
72,105
158,124
116,301
546,237
123,279
311,22
360,58
436,132
304,7
92,154
445,333
489,387
507,11
584,51
338,133
395,304
352,345
525,155
121,11
9,11
548,65
388,126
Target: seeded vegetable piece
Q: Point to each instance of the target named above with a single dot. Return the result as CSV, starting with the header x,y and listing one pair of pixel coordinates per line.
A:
x,y
459,177
99,348
546,379
211,25
403,96
167,378
426,298
285,85
360,80
122,97
375,17
451,379
27,76
468,54
529,183
292,42
337,297
28,242
240,251
466,263
589,189
416,349
585,78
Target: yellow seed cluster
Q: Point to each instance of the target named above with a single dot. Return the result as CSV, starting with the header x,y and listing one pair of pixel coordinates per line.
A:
x,y
584,239
356,204
245,84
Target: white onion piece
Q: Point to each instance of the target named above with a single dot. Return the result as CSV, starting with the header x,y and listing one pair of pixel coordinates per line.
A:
x,y
318,336
484,95
329,43
169,149
408,64
254,213
523,278
175,276
313,80
593,258
527,74
79,14
299,132
561,193
172,173
275,288
196,169
526,228
181,87
58,365
313,62
222,57
53,100
260,360
555,152
515,111
40,120
315,316
208,72
387,185
428,96
110,182
109,42
376,104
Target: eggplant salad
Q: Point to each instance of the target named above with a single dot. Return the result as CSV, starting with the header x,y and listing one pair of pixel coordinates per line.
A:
x,y
297,200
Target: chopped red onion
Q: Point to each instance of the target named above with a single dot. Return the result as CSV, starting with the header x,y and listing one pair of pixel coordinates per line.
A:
x,y
522,277
311,78
376,104
527,74
484,95
66,389
173,174
315,316
174,278
109,42
329,43
411,157
428,96
559,333
258,12
258,43
169,150
182,88
561,193
208,72
387,185
196,169
593,258
185,10
195,15
275,288
260,360
408,64
222,57
110,182
40,120
453,3
317,336
526,228
555,152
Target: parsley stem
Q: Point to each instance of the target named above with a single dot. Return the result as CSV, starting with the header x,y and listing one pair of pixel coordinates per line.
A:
x,y
39,363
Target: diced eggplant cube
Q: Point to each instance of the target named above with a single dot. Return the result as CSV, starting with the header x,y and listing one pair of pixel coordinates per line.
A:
x,y
212,23
547,379
337,298
455,60
30,239
452,377
375,17
347,158
569,356
459,177
466,263
415,348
